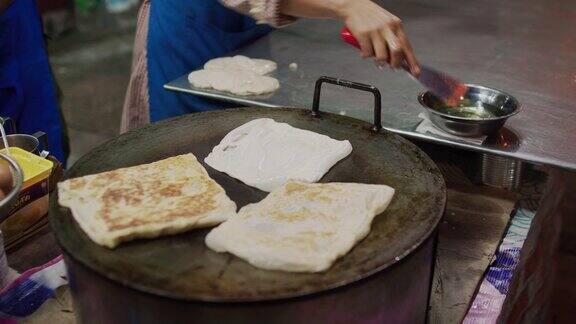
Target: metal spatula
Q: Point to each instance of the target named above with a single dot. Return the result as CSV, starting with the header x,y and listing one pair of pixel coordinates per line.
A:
x,y
440,84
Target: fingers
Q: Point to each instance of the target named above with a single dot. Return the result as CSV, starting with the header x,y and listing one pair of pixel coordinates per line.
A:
x,y
396,50
366,48
383,38
409,53
380,50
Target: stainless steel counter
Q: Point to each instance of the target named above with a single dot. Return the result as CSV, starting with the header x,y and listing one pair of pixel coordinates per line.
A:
x,y
524,47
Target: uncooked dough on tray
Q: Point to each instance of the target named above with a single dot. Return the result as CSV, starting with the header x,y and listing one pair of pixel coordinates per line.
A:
x,y
239,82
238,75
165,197
266,154
259,66
302,227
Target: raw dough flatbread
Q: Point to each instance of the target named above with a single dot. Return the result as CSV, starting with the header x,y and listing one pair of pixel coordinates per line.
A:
x,y
302,227
258,66
165,197
240,82
266,154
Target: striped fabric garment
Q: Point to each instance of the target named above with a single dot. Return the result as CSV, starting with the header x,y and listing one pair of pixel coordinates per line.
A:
x,y
136,111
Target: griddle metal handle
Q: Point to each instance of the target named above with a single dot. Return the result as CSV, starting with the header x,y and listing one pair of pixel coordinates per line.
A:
x,y
354,85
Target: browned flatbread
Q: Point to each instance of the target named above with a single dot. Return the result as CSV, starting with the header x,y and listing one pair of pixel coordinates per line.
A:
x,y
164,197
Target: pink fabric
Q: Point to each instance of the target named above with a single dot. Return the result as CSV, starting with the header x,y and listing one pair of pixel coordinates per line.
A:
x,y
264,11
135,113
136,110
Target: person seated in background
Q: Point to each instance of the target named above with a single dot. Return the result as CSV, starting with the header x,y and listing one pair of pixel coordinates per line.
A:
x,y
27,88
174,37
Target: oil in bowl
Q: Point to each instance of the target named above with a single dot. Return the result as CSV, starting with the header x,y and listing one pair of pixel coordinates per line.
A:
x,y
469,109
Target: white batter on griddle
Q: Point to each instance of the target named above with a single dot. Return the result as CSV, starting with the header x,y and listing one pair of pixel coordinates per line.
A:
x,y
240,82
266,154
302,227
259,66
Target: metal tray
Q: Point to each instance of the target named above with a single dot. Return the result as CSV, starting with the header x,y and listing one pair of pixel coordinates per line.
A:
x,y
290,81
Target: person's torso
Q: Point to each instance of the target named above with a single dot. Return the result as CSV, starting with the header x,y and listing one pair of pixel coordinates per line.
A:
x,y
27,91
183,35
19,38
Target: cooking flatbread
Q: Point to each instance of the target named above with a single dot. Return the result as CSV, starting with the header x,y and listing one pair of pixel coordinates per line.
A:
x,y
266,154
259,66
239,82
165,197
302,227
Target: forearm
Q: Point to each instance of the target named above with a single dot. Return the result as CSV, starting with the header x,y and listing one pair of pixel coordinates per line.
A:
x,y
280,12
379,32
314,8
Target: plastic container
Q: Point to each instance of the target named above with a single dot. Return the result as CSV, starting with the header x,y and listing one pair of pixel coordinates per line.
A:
x,y
33,200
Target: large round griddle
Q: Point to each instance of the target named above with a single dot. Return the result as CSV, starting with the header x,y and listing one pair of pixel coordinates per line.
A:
x,y
182,267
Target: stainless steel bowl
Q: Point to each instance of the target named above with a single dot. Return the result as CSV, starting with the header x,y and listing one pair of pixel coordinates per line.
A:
x,y
470,127
9,200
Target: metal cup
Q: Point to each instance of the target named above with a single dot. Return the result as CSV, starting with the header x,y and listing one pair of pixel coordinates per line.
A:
x,y
7,121
36,143
501,172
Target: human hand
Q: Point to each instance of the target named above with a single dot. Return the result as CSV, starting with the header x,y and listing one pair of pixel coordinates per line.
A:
x,y
379,33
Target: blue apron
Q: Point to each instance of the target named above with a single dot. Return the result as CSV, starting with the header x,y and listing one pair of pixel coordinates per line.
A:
x,y
27,90
182,36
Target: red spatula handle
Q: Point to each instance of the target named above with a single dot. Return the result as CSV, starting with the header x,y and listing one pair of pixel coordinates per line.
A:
x,y
349,38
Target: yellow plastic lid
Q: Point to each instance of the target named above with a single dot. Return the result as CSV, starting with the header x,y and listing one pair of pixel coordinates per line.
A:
x,y
32,165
